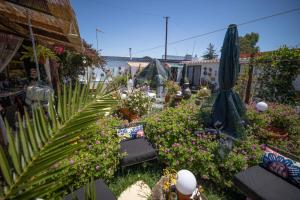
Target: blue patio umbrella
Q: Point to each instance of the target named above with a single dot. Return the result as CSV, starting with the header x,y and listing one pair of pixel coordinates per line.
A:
x,y
228,109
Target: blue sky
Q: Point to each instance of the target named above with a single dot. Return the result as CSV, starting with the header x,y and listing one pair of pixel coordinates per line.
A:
x,y
139,24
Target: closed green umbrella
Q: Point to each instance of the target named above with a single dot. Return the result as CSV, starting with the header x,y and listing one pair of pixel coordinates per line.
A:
x,y
228,109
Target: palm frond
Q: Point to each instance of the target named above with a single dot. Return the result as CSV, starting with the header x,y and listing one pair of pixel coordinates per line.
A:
x,y
42,141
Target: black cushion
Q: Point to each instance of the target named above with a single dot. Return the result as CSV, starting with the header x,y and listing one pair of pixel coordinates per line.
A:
x,y
258,183
102,192
137,151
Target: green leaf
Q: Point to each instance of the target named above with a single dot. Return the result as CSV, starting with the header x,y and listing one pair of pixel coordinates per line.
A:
x,y
5,167
24,143
43,122
12,149
69,111
30,132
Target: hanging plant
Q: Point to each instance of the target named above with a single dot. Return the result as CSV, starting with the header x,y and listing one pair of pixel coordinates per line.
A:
x,y
41,51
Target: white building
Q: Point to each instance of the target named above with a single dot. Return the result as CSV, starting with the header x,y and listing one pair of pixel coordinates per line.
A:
x,y
200,71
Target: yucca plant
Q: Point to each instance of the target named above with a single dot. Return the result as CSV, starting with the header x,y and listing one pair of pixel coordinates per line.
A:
x,y
39,144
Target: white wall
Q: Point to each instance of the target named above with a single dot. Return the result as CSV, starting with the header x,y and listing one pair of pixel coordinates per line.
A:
x,y
296,83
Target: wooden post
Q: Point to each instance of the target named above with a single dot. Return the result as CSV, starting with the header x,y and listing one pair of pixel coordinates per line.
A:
x,y
249,82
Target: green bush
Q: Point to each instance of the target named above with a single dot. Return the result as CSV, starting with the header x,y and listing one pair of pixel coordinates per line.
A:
x,y
182,143
93,160
277,71
282,117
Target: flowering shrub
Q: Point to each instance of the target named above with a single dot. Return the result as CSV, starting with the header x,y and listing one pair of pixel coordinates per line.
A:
x,y
137,102
203,93
93,159
172,87
183,145
281,119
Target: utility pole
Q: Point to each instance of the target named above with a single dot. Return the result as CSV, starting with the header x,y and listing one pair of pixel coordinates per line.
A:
x,y
97,30
166,39
130,54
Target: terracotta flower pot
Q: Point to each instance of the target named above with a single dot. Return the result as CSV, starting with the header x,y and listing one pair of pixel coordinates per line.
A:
x,y
127,114
197,101
277,133
42,61
167,98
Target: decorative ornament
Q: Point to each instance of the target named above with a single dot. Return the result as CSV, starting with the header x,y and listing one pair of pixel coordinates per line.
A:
x,y
186,182
261,106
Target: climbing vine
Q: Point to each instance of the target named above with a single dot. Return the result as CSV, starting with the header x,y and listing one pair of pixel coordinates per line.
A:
x,y
277,71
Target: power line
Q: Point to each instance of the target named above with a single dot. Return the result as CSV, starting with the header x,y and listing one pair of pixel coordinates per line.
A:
x,y
222,29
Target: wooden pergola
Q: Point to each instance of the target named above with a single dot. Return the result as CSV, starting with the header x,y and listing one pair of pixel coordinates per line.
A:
x,y
53,21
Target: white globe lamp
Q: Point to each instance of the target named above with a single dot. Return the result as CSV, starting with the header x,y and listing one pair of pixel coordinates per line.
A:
x,y
186,182
123,96
261,106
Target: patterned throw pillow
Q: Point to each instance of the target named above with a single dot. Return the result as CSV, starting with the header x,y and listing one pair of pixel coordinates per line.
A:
x,y
281,165
131,132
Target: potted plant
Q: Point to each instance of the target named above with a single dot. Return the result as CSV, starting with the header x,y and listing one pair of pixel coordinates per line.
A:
x,y
172,89
135,105
42,53
202,94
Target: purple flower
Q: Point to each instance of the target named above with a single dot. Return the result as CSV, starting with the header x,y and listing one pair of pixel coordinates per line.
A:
x,y
97,167
97,142
176,145
193,142
254,147
263,146
72,162
243,152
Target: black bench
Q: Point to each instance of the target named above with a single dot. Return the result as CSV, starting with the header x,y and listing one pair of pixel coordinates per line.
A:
x,y
137,150
260,184
101,189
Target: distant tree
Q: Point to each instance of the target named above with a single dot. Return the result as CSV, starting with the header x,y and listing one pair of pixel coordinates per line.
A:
x,y
210,53
248,43
248,46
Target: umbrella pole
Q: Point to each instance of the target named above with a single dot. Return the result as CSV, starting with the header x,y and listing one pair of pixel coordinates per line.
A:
x,y
33,47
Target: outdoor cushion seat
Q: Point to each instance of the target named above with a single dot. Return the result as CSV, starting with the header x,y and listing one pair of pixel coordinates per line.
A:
x,y
137,151
258,183
102,192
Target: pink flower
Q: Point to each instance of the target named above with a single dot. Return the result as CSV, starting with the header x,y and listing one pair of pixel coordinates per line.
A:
x,y
72,162
176,145
97,142
97,167
263,146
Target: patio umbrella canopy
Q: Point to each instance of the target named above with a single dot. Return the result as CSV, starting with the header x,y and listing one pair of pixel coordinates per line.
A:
x,y
228,110
150,74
